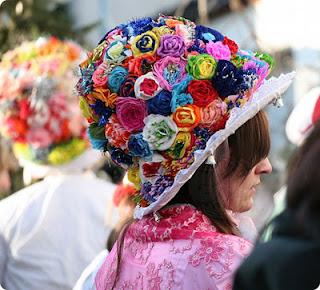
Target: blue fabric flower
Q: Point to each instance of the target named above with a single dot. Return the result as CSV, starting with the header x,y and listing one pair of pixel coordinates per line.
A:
x,y
101,111
207,34
248,77
196,47
203,136
227,79
161,184
179,97
96,136
160,104
120,157
116,78
146,192
137,27
138,146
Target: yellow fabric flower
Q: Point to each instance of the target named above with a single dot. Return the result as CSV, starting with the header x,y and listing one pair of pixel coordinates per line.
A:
x,y
180,145
162,30
145,43
134,177
22,150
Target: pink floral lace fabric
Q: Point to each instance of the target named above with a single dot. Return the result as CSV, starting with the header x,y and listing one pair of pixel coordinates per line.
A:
x,y
181,251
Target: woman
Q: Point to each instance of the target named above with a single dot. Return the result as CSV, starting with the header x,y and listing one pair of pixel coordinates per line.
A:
x,y
290,260
50,230
163,97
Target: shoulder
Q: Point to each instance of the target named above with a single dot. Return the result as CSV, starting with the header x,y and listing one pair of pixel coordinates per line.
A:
x,y
215,259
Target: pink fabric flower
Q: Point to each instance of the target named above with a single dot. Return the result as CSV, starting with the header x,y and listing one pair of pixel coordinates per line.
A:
x,y
186,32
170,71
100,76
262,71
131,113
39,138
213,113
218,50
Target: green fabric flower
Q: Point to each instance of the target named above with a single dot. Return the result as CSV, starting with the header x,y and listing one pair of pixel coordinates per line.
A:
x,y
201,66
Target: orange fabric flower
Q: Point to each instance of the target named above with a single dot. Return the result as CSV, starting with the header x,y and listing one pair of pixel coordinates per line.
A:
x,y
187,117
104,95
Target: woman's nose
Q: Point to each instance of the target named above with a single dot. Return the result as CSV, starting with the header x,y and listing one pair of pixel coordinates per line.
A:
x,y
264,167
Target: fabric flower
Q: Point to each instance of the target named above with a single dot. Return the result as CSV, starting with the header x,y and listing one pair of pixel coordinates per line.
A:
x,y
187,117
134,177
202,92
218,50
171,45
212,115
131,113
139,147
180,145
141,65
101,111
160,104
115,133
170,71
120,157
186,32
116,78
201,66
100,75
39,138
147,42
146,86
104,95
233,47
127,87
179,95
162,30
208,34
159,131
116,50
226,80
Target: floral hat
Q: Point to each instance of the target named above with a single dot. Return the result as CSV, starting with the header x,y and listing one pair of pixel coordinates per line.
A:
x,y
38,109
161,95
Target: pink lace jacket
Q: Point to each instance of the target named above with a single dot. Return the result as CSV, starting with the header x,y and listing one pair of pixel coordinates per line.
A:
x,y
181,251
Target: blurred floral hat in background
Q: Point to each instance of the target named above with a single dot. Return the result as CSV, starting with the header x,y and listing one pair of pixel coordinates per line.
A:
x,y
161,95
39,111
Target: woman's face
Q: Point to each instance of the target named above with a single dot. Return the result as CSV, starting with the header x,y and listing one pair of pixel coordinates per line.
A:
x,y
238,191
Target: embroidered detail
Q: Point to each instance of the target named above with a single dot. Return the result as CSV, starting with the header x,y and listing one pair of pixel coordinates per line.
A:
x,y
160,278
216,253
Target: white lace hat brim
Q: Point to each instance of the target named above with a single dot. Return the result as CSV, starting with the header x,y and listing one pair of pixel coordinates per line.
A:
x,y
269,92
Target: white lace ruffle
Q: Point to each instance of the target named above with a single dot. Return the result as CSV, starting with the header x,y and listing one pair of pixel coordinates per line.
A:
x,y
269,92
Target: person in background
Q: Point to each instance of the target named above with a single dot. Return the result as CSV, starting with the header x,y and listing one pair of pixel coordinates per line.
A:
x,y
300,123
290,260
179,106
122,201
50,230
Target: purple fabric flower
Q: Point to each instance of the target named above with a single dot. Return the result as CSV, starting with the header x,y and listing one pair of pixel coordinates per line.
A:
x,y
171,45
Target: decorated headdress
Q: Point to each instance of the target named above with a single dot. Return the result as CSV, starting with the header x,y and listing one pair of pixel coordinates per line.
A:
x,y
39,110
161,95
304,116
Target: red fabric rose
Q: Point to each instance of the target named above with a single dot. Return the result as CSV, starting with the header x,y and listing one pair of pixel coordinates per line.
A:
x,y
148,86
219,124
202,92
151,169
141,65
231,44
